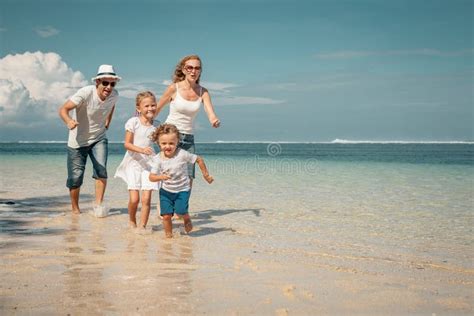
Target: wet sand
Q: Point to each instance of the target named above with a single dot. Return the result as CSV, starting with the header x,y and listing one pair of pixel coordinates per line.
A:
x,y
237,261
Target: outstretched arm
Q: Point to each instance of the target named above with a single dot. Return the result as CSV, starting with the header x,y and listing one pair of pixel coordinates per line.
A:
x,y
204,171
209,108
64,114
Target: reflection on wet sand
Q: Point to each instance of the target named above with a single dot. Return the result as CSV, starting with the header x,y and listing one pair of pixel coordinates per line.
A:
x,y
83,275
155,274
176,258
177,255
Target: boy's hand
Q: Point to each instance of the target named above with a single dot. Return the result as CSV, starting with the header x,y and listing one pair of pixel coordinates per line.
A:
x,y
208,178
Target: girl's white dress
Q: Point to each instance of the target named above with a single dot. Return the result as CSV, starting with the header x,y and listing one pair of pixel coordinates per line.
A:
x,y
135,167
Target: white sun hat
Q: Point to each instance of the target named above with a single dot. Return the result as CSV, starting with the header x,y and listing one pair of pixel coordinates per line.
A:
x,y
106,71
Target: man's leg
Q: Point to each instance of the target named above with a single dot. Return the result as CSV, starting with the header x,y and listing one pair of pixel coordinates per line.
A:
x,y
74,193
100,185
98,154
76,164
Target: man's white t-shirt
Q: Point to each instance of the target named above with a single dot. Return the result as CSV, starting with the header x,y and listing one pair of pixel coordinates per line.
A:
x,y
91,113
177,168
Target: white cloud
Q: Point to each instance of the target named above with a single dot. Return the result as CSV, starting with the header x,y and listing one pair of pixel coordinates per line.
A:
x,y
245,101
131,89
35,85
46,31
414,52
219,86
221,93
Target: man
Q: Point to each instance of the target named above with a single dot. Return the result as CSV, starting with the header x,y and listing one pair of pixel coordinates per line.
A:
x,y
93,107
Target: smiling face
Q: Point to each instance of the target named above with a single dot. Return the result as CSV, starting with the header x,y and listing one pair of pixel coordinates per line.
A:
x,y
105,86
147,108
168,144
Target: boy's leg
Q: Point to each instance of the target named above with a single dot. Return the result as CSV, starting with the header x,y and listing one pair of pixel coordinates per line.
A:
x,y
188,225
182,209
145,212
168,225
132,208
167,200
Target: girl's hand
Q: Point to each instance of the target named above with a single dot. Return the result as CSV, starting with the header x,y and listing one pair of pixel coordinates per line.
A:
x,y
148,151
208,178
165,177
216,123
72,124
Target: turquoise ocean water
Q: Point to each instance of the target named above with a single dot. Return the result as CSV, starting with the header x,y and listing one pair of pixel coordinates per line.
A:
x,y
392,199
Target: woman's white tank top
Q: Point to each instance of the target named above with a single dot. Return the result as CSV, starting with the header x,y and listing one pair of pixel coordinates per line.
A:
x,y
183,112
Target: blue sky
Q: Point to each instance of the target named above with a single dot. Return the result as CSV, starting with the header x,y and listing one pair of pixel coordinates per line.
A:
x,y
276,70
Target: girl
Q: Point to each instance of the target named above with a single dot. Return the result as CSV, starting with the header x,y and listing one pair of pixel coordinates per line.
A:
x,y
135,166
185,97
171,167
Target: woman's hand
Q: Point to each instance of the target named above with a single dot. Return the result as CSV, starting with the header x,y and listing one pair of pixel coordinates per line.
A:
x,y
215,123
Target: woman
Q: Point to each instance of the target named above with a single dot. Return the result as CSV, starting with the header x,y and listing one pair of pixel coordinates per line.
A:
x,y
185,97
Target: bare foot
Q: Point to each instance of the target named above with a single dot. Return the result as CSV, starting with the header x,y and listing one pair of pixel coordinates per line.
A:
x,y
143,231
76,211
169,235
132,225
188,225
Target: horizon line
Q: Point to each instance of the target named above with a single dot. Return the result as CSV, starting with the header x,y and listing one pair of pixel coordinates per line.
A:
x,y
335,141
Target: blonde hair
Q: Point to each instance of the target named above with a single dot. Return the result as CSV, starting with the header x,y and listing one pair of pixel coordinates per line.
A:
x,y
178,71
162,130
140,96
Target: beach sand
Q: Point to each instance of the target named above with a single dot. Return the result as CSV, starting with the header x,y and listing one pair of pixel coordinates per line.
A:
x,y
53,262
361,239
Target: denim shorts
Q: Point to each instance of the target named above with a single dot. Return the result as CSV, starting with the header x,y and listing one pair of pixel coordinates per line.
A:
x,y
186,142
171,203
77,158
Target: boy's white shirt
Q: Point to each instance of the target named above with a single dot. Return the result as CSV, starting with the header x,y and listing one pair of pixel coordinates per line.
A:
x,y
176,167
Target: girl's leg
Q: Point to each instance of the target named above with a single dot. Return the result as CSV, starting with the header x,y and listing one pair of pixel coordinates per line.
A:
x,y
167,225
132,207
145,212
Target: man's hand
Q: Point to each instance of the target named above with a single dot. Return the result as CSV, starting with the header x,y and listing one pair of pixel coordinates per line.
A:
x,y
71,124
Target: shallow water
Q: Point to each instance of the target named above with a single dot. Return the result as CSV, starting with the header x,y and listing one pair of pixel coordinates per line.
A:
x,y
415,208
403,225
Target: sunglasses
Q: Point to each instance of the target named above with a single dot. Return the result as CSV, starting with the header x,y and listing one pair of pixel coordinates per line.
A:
x,y
190,68
107,83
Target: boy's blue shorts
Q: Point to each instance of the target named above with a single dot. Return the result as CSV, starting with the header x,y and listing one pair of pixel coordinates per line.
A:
x,y
171,203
